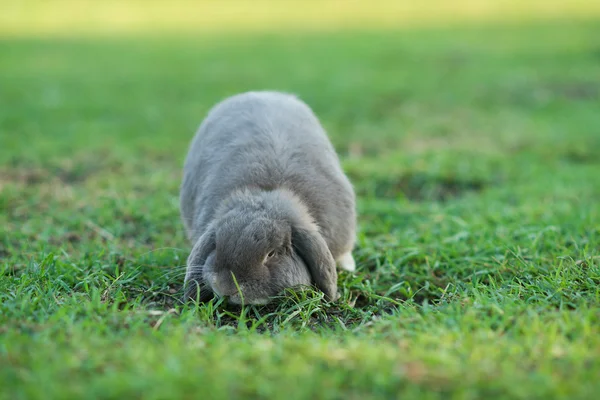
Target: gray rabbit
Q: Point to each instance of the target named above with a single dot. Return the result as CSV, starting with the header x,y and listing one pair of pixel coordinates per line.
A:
x,y
265,202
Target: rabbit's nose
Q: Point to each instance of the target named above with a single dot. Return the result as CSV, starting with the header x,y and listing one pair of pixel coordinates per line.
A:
x,y
213,282
220,286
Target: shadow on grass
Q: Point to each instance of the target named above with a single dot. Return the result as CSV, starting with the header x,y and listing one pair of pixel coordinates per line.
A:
x,y
418,186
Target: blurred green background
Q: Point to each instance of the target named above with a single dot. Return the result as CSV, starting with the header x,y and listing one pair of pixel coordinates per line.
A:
x,y
470,130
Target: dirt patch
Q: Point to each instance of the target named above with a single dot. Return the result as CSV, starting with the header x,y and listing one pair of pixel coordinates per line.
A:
x,y
575,90
539,94
581,156
72,172
22,176
544,92
419,187
4,253
37,176
69,237
74,175
69,172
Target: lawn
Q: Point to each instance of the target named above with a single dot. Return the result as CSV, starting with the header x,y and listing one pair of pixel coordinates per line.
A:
x,y
474,149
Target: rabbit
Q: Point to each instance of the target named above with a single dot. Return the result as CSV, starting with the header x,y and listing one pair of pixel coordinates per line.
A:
x,y
265,202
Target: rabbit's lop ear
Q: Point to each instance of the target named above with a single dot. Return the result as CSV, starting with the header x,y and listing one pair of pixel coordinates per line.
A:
x,y
313,250
195,263
203,247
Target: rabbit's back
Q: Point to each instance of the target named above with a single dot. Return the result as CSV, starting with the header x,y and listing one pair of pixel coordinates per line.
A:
x,y
267,140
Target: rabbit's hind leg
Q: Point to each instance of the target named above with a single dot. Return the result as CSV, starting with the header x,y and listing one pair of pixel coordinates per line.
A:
x,y
346,262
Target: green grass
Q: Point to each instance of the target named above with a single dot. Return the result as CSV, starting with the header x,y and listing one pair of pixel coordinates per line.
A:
x,y
475,153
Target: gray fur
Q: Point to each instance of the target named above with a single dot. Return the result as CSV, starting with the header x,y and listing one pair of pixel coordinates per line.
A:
x,y
261,176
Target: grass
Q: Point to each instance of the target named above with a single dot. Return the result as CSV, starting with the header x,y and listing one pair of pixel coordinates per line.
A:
x,y
474,153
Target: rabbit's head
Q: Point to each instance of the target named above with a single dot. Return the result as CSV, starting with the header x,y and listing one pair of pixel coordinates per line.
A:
x,y
261,244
